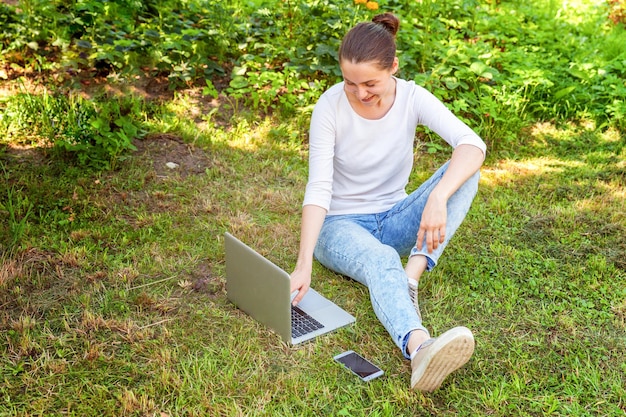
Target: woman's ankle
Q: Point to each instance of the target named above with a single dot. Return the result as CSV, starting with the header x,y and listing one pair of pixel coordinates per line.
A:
x,y
416,339
415,266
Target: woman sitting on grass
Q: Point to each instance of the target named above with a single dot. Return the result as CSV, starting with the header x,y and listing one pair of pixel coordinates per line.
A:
x,y
357,218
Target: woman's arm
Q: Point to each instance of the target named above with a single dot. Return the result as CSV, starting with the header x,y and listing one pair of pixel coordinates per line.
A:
x,y
465,161
312,221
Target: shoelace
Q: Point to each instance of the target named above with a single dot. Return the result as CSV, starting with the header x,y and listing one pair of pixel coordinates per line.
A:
x,y
413,295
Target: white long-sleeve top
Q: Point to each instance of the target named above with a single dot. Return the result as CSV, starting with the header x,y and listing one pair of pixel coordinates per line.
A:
x,y
359,166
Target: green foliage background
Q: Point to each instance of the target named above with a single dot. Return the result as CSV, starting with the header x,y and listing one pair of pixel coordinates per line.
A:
x,y
500,64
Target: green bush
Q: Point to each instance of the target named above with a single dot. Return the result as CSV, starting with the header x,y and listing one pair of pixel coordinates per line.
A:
x,y
184,40
499,65
96,131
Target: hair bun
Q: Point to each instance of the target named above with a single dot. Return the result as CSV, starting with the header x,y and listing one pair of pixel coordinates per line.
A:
x,y
389,21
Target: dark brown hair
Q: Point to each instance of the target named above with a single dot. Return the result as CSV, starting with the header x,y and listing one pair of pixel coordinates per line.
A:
x,y
373,41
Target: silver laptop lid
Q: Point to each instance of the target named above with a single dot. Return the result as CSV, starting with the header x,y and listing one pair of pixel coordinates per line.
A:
x,y
258,287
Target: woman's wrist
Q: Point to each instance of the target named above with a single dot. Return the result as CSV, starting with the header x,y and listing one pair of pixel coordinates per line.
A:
x,y
304,265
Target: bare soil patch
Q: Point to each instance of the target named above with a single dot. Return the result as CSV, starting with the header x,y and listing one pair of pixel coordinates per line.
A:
x,y
170,156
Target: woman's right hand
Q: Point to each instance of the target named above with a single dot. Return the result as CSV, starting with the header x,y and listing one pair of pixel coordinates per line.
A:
x,y
301,282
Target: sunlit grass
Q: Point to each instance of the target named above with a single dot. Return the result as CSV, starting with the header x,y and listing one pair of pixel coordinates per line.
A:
x,y
511,171
138,307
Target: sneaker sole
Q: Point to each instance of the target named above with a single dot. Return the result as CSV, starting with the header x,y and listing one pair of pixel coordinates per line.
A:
x,y
448,353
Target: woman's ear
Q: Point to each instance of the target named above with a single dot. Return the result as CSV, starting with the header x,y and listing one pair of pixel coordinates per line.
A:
x,y
395,66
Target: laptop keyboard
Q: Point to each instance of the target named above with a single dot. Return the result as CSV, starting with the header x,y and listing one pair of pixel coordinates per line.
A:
x,y
302,323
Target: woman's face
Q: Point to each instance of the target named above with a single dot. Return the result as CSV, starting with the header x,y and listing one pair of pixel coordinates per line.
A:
x,y
368,83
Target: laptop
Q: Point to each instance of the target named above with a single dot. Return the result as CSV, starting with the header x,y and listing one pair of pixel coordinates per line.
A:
x,y
262,290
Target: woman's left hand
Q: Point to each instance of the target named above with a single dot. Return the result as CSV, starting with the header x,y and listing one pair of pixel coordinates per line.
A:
x,y
433,224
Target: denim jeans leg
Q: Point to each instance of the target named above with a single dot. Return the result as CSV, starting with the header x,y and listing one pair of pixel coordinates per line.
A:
x,y
401,223
348,245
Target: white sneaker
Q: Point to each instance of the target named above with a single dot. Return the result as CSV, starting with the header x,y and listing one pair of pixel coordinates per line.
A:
x,y
437,358
413,294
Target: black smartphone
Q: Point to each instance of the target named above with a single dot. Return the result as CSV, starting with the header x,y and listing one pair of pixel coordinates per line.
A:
x,y
359,366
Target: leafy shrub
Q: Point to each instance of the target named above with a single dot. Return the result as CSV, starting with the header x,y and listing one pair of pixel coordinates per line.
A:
x,y
502,64
289,55
499,65
184,40
97,132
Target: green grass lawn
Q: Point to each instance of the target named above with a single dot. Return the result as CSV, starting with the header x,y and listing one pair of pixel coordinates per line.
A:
x,y
113,302
112,286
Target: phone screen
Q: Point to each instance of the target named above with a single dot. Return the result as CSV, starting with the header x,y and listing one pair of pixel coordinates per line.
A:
x,y
358,364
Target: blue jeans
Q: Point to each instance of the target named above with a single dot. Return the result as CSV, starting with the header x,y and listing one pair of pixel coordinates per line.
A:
x,y
368,249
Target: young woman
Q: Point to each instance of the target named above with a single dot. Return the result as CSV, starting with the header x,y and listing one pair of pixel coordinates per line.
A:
x,y
357,218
